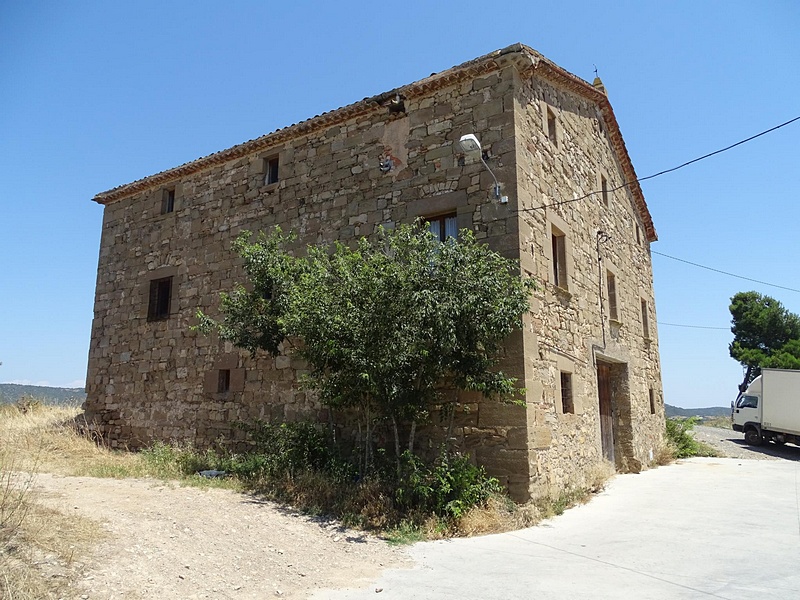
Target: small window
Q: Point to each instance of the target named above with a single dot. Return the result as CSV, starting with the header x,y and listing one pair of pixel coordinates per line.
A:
x,y
747,402
638,235
158,307
559,248
552,132
167,201
604,190
652,402
645,321
271,170
612,296
567,404
224,381
444,226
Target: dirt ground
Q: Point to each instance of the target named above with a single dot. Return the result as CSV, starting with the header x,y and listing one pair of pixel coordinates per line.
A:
x,y
165,541
170,542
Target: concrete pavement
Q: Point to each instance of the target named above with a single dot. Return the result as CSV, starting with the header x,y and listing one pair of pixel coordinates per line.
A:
x,y
702,528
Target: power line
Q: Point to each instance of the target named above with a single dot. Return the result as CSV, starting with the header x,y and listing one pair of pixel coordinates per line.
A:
x,y
688,262
693,326
664,172
721,150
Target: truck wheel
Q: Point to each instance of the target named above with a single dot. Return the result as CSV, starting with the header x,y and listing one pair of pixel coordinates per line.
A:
x,y
752,437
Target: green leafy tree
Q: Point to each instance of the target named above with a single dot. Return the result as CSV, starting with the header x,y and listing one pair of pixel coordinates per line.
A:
x,y
786,357
765,335
382,326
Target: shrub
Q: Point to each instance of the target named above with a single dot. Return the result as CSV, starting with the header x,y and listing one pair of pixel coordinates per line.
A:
x,y
682,442
287,449
448,488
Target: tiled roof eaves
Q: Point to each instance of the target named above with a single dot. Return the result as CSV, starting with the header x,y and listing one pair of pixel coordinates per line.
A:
x,y
553,72
469,70
531,61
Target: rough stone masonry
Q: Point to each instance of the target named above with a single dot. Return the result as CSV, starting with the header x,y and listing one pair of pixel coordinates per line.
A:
x,y
575,218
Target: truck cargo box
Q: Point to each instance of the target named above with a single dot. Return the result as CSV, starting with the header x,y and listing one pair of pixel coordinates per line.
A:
x,y
780,400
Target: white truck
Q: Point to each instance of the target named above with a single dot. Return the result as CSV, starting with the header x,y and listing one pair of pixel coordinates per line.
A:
x,y
769,410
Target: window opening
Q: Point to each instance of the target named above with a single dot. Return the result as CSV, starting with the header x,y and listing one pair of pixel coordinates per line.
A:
x,y
604,189
224,381
443,226
158,307
271,167
645,321
638,235
652,402
567,404
559,247
551,127
168,201
612,296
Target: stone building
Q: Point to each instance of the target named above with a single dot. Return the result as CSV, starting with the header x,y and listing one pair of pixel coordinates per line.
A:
x,y
572,213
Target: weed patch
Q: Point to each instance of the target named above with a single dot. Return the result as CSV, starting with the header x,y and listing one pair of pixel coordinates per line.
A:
x,y
681,443
295,464
39,546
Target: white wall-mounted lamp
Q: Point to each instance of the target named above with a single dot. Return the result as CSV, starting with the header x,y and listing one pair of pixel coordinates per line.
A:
x,y
469,144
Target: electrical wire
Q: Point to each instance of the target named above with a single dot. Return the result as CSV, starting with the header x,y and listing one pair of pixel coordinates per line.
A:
x,y
694,264
720,151
664,172
693,326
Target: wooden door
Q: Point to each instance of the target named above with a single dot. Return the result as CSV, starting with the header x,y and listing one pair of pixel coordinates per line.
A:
x,y
606,411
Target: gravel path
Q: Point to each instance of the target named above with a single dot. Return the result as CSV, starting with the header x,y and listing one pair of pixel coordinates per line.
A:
x,y
171,542
731,444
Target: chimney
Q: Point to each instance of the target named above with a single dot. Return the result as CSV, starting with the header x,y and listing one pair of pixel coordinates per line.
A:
x,y
598,84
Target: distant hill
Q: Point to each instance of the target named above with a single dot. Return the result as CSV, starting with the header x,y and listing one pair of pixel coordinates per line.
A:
x,y
711,411
12,392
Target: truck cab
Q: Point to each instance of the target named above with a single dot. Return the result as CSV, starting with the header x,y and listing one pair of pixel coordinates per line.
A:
x,y
746,415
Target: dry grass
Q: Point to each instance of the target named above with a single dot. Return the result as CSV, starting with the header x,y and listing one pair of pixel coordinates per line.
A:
x,y
52,439
47,437
45,553
665,454
500,514
718,422
41,549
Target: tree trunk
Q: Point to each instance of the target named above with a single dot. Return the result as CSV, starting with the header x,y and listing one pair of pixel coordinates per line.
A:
x,y
332,428
746,382
396,446
451,419
411,436
359,442
368,441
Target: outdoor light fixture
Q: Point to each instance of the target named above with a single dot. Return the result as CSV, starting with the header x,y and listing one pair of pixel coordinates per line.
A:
x,y
469,144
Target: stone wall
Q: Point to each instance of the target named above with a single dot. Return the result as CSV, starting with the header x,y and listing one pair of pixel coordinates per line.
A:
x,y
156,379
152,380
570,328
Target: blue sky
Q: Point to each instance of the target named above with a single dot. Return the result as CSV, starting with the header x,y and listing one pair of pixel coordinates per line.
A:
x,y
97,94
